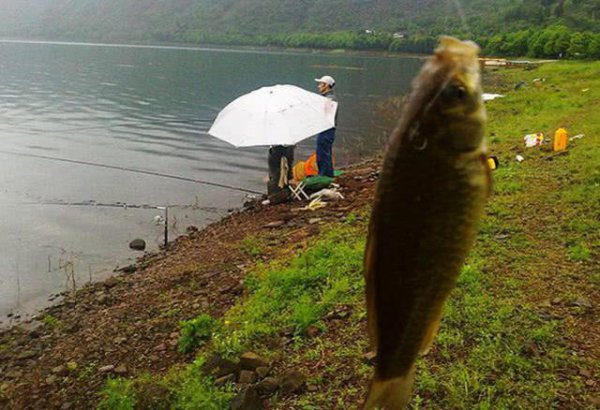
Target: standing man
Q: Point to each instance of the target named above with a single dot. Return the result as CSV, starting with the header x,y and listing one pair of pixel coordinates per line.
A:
x,y
325,139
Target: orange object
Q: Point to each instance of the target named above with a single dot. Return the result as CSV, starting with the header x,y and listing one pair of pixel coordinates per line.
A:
x,y
310,166
298,171
560,140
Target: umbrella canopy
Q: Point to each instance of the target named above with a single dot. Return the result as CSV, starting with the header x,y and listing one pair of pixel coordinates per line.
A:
x,y
277,115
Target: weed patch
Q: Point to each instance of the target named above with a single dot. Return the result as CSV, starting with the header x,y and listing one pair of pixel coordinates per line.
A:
x,y
196,331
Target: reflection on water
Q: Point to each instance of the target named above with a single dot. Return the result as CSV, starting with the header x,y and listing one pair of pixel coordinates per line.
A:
x,y
130,109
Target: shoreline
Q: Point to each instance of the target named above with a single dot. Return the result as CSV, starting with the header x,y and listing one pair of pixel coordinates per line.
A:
x,y
139,308
216,47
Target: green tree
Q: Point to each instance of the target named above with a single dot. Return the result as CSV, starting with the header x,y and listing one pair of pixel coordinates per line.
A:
x,y
593,50
578,46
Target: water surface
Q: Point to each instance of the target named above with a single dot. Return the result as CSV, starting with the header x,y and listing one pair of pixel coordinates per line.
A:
x,y
78,120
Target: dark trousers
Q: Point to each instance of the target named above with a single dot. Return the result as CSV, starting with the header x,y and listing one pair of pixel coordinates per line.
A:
x,y
324,154
275,154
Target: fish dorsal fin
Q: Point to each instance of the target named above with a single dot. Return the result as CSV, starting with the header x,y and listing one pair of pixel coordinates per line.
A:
x,y
451,47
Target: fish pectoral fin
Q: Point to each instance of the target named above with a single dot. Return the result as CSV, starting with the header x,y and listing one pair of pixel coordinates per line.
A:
x,y
392,394
431,331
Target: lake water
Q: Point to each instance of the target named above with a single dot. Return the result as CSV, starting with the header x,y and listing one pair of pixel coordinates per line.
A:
x,y
85,128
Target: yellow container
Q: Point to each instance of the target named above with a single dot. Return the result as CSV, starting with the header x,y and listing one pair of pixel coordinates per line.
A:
x,y
492,162
560,140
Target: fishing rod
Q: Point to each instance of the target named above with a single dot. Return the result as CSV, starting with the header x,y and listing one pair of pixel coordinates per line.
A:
x,y
133,170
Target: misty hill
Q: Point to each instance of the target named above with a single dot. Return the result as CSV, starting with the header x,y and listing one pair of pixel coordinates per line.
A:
x,y
165,20
267,21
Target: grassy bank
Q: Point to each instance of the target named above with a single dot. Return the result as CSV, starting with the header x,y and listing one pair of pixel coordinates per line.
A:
x,y
519,330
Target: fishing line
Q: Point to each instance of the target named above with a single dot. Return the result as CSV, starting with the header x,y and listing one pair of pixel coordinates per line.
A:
x,y
133,170
157,122
120,205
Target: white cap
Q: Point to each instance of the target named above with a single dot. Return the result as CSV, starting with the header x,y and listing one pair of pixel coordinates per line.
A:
x,y
327,80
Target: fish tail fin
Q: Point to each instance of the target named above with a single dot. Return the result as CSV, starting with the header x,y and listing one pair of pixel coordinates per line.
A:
x,y
392,394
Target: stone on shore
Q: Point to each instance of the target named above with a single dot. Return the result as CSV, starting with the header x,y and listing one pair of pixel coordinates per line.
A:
x,y
138,244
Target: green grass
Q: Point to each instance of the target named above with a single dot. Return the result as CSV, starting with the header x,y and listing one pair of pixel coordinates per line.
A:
x,y
118,394
252,245
51,321
497,348
298,293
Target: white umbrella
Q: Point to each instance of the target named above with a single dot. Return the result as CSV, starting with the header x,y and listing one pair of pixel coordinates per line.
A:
x,y
277,115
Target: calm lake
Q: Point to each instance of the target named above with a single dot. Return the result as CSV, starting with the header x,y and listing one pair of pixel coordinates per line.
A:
x,y
85,128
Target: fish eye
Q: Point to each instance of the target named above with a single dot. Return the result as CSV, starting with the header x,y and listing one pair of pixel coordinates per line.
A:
x,y
456,92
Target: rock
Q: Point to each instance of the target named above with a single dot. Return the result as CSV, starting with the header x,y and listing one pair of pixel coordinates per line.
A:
x,y
27,354
268,386
251,361
221,381
370,357
66,406
556,301
60,370
106,369
51,379
262,372
275,224
313,331
102,299
247,377
119,340
312,388
14,374
585,373
138,244
314,220
581,302
217,367
121,370
231,288
247,399
111,282
34,334
129,269
160,348
291,381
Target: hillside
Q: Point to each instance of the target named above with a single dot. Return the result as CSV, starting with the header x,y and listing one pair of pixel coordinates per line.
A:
x,y
154,20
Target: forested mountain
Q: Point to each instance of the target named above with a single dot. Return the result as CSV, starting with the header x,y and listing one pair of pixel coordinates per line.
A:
x,y
328,23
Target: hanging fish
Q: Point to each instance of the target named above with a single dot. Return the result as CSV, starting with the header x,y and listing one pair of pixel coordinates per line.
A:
x,y
430,195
